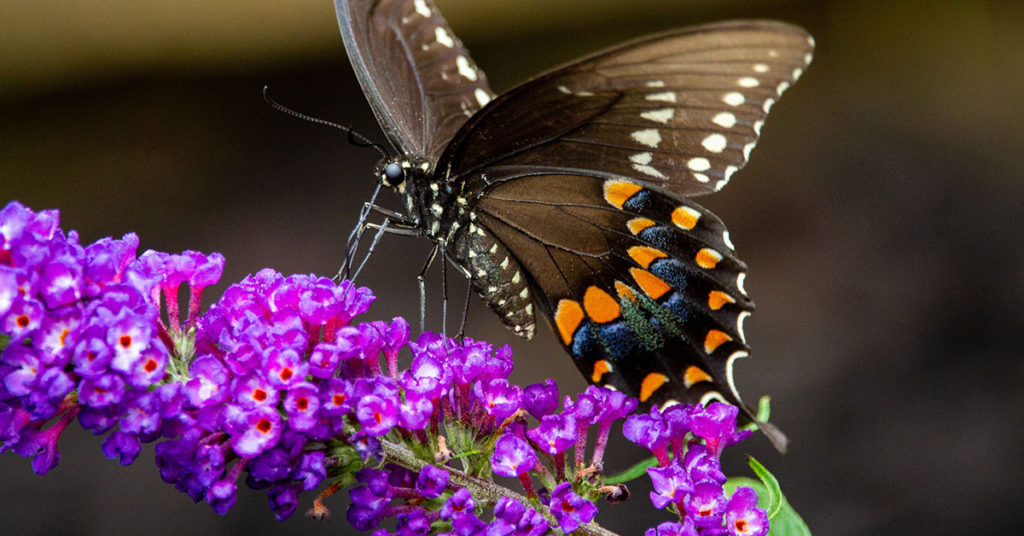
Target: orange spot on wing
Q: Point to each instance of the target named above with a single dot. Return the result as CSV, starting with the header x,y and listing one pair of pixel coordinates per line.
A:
x,y
600,306
693,375
714,339
685,217
717,299
600,368
639,224
650,283
568,316
618,192
708,258
644,255
652,382
624,291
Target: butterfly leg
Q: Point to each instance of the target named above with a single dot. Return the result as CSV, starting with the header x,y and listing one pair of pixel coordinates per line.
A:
x,y
465,313
421,280
397,226
389,226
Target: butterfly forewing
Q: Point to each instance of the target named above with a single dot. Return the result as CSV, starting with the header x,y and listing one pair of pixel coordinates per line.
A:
x,y
420,81
679,112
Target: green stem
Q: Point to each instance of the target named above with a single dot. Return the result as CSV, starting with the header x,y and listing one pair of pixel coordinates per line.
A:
x,y
482,490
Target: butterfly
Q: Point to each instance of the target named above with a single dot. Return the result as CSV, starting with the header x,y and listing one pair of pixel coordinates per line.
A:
x,y
570,195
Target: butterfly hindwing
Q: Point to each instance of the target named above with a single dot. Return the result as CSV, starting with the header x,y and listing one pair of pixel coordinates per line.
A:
x,y
643,289
421,82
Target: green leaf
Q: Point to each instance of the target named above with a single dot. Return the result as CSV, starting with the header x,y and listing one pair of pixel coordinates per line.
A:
x,y
632,473
764,408
4,341
771,484
785,521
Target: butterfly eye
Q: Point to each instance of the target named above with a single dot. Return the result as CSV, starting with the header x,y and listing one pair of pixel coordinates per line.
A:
x,y
393,174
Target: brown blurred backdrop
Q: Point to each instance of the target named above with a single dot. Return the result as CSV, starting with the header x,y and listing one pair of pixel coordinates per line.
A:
x,y
881,216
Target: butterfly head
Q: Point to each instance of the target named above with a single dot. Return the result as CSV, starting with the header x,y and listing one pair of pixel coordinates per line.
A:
x,y
425,199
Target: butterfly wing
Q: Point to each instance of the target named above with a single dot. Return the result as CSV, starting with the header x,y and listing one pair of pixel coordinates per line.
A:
x,y
420,81
678,112
583,174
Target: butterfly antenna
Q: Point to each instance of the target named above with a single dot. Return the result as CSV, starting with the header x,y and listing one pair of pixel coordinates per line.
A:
x,y
355,138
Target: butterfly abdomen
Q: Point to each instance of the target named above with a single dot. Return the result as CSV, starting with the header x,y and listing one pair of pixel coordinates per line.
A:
x,y
496,276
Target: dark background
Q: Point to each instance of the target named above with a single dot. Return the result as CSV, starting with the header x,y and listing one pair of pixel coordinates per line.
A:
x,y
881,217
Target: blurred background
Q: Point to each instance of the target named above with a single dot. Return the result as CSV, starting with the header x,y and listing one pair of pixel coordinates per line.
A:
x,y
881,217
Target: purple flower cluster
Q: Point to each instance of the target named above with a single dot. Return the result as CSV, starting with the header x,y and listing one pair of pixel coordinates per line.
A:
x,y
691,480
426,503
83,336
262,389
276,387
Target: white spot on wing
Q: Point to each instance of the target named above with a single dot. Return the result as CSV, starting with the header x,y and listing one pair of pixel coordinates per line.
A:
x,y
797,73
727,240
698,164
768,105
660,116
739,325
656,83
442,37
739,354
760,68
715,143
482,98
740,279
666,96
701,177
734,98
516,278
640,163
757,127
565,90
748,81
641,158
465,69
783,86
421,8
747,148
724,119
649,137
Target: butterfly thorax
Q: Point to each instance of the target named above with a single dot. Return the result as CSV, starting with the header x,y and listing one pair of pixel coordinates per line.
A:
x,y
440,210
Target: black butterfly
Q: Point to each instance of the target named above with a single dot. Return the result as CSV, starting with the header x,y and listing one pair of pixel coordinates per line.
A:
x,y
571,193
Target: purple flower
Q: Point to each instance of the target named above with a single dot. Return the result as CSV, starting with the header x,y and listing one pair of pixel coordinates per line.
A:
x,y
415,412
255,430
555,434
540,399
431,481
512,456
377,415
414,523
459,503
499,398
648,431
742,515
336,397
301,404
706,504
570,510
670,483
671,528
716,424
702,465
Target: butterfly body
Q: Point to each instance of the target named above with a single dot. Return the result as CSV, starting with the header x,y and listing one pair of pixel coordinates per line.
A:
x,y
569,196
